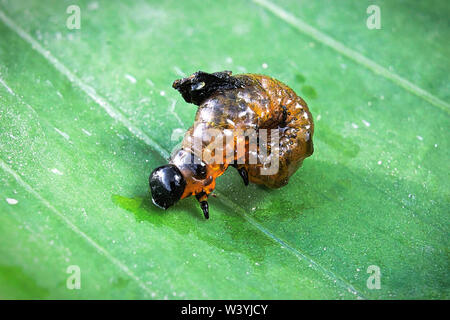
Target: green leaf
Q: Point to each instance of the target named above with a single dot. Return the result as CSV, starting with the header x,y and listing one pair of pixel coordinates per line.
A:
x,y
85,115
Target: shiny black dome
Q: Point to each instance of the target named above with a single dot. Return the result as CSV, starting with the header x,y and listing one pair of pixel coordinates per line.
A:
x,y
167,185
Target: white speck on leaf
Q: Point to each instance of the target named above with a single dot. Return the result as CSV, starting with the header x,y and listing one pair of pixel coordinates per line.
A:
x,y
56,171
93,6
265,66
86,132
177,134
122,137
144,100
367,124
11,201
179,72
354,125
420,138
130,78
63,134
241,69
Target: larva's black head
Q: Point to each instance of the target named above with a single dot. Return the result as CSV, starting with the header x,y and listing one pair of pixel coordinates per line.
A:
x,y
201,85
167,185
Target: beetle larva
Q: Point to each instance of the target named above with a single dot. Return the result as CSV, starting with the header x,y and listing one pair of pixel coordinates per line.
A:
x,y
239,103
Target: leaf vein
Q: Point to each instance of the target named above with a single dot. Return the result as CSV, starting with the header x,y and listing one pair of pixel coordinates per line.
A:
x,y
74,228
319,36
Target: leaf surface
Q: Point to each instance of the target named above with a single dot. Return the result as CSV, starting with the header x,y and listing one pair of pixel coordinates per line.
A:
x,y
85,115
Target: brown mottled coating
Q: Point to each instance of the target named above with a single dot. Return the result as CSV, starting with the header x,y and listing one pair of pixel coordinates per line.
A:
x,y
253,102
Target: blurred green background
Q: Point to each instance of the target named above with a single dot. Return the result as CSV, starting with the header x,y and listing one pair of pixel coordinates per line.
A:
x,y
86,114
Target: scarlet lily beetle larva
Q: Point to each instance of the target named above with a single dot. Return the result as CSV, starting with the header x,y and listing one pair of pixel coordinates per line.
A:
x,y
230,103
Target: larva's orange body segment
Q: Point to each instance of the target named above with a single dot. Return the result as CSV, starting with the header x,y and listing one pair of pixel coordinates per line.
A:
x,y
241,103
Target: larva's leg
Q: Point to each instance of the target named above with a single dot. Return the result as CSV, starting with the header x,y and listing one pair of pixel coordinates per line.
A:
x,y
202,198
242,172
205,208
